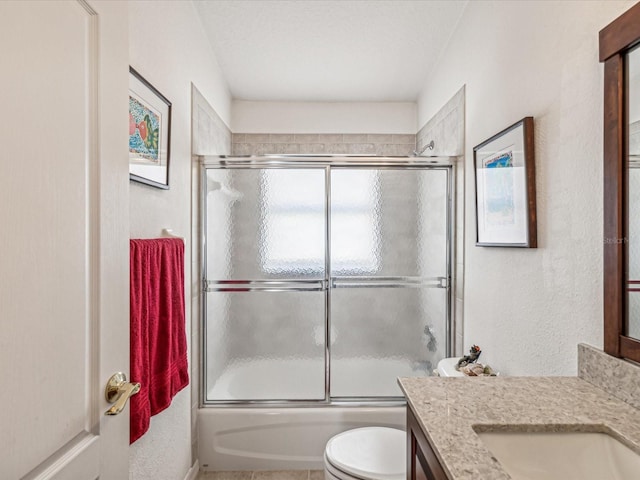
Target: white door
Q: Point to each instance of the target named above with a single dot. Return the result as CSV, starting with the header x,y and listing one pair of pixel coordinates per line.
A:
x,y
63,238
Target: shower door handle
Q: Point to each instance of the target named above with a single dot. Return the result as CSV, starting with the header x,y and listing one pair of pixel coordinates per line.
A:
x,y
118,391
389,282
280,285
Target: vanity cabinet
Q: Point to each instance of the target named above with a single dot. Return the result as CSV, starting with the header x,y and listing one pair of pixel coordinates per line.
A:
x,y
422,462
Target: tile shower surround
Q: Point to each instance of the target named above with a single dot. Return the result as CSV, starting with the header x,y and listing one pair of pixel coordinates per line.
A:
x,y
212,137
317,143
446,130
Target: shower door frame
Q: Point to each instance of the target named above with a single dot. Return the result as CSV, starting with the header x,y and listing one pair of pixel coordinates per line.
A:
x,y
326,163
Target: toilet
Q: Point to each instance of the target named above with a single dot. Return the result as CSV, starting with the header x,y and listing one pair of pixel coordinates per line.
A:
x,y
447,368
373,453
368,453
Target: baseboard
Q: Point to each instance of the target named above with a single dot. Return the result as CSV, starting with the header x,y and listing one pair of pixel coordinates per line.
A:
x,y
192,474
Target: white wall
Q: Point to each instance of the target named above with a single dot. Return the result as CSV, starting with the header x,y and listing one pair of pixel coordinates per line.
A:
x,y
169,48
323,117
527,309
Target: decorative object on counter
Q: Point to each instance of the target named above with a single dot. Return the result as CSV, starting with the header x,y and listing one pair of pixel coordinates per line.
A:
x,y
478,370
474,353
149,133
505,177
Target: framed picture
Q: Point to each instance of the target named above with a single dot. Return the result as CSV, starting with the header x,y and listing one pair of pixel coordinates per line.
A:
x,y
149,133
505,178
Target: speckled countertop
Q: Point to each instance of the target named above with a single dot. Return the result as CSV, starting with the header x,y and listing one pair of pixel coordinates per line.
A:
x,y
448,410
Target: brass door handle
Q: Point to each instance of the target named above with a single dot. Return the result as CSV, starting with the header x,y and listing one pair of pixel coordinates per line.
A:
x,y
118,390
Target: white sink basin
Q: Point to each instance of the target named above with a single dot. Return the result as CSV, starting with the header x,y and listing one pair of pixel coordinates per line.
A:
x,y
562,456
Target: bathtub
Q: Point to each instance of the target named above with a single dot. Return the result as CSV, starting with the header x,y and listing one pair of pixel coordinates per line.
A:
x,y
280,438
292,437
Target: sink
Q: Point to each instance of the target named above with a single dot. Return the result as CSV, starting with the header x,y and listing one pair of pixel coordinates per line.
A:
x,y
562,456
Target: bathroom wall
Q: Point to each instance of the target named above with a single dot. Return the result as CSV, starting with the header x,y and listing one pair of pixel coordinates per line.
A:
x,y
169,48
528,308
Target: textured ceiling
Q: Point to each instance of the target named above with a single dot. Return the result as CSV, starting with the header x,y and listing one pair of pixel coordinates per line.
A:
x,y
323,50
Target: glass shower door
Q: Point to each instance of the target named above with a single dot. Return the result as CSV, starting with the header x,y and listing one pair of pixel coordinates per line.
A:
x,y
389,274
265,305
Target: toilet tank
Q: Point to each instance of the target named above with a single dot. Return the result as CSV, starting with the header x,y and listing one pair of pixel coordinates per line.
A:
x,y
447,368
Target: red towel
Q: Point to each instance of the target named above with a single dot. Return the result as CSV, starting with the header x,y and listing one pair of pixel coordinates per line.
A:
x,y
158,340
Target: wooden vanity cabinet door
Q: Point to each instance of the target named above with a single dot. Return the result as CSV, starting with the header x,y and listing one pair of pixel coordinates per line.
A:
x,y
422,463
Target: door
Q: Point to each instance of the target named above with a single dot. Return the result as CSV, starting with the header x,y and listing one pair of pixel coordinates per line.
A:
x,y
389,277
323,281
63,241
266,274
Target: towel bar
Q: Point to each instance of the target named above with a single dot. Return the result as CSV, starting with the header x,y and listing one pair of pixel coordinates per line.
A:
x,y
168,232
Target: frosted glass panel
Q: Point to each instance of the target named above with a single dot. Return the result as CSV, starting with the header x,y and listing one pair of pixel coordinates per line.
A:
x,y
388,226
633,236
380,334
265,346
633,245
265,224
388,222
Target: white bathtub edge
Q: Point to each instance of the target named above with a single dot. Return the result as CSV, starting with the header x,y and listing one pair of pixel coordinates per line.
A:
x,y
280,438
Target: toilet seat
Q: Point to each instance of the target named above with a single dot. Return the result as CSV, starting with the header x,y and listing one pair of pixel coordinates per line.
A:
x,y
369,453
332,473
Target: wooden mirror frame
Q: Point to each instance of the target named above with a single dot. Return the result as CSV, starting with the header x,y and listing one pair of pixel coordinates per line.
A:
x,y
615,41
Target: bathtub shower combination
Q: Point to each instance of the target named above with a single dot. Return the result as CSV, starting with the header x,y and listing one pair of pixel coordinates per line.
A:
x,y
325,279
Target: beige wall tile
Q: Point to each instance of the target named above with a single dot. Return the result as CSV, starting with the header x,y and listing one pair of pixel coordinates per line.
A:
x,y
257,137
311,148
380,138
282,138
385,149
291,148
285,148
394,150
362,148
337,148
405,139
330,138
404,150
354,138
241,149
263,149
306,138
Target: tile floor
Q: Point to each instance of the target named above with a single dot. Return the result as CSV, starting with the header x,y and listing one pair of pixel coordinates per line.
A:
x,y
264,475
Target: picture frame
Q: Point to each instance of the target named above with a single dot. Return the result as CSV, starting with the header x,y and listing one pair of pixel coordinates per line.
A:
x,y
505,174
149,133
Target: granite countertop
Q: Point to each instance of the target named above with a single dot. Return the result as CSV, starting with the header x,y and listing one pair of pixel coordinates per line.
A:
x,y
448,410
